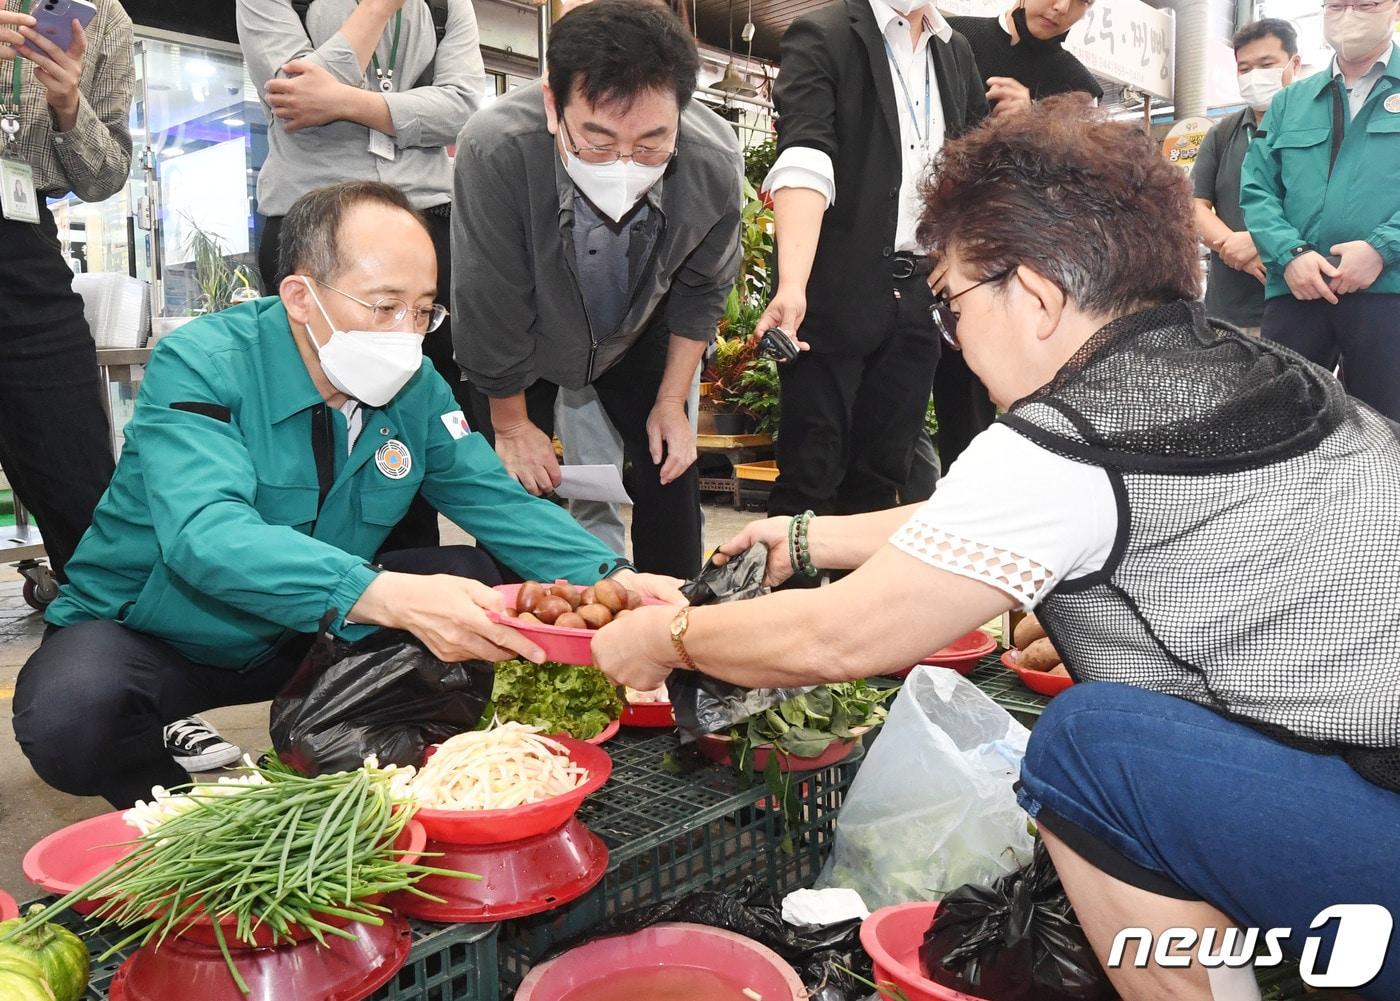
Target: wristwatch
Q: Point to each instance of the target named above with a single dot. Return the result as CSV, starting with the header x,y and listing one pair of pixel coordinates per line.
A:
x,y
678,627
1303,248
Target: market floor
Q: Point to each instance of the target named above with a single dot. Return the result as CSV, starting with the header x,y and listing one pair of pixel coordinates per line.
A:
x,y
29,809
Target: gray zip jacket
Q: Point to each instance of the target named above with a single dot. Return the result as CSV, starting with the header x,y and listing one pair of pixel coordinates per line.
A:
x,y
517,313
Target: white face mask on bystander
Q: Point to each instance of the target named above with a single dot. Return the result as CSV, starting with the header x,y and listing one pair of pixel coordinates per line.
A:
x,y
1259,86
614,187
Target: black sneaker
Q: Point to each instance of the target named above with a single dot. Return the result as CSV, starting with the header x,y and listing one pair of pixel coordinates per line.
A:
x,y
197,747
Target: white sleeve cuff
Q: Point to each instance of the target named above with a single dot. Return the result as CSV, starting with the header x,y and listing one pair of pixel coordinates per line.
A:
x,y
803,167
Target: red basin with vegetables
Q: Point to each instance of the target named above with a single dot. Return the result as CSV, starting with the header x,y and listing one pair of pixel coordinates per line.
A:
x,y
495,827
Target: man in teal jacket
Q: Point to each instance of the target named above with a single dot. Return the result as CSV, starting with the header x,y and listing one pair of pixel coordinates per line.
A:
x,y
1320,198
273,447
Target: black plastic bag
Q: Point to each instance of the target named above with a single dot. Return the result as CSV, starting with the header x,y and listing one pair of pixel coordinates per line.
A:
x,y
1015,940
819,955
707,705
385,696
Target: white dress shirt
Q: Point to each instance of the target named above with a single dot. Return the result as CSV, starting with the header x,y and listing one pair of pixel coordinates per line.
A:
x,y
805,167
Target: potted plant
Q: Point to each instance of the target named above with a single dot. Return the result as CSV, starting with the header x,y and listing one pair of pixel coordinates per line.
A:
x,y
221,283
732,406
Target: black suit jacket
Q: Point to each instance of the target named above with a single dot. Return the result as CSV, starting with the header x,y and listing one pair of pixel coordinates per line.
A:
x,y
835,93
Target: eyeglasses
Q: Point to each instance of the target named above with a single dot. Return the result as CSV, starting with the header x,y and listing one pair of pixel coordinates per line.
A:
x,y
387,314
945,319
647,156
1365,7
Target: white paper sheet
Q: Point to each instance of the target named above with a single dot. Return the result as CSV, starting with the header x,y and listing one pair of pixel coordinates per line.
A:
x,y
592,483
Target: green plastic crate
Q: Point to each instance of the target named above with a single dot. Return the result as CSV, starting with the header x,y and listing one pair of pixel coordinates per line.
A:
x,y
446,963
1005,689
670,834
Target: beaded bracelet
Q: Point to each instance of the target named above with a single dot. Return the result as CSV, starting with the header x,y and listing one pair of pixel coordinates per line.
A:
x,y
803,563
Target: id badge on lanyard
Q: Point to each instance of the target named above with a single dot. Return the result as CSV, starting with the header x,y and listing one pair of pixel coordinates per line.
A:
x,y
19,202
380,144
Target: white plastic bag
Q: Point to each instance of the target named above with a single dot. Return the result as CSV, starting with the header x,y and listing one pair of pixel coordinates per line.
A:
x,y
932,806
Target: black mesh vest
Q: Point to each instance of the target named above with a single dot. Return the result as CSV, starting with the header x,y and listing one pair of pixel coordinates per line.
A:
x,y
1257,565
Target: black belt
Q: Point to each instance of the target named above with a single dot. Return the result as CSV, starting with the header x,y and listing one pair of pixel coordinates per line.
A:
x,y
443,211
903,265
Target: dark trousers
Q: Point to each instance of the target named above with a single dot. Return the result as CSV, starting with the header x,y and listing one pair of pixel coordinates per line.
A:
x,y
962,405
92,702
55,440
665,519
849,422
1362,330
419,526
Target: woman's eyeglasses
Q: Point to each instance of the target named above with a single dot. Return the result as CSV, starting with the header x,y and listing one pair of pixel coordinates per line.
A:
x,y
945,319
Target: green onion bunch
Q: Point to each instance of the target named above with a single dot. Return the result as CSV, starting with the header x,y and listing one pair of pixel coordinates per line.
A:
x,y
294,851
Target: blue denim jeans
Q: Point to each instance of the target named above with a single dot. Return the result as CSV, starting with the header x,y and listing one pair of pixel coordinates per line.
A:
x,y
1193,802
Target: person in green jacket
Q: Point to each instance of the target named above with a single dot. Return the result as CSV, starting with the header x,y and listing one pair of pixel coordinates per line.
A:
x,y
273,447
1321,201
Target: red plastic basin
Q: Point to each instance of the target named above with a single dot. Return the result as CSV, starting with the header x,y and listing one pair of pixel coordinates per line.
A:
x,y
961,655
655,715
604,735
71,856
495,827
892,937
717,747
517,879
739,960
1040,682
8,907
342,970
566,646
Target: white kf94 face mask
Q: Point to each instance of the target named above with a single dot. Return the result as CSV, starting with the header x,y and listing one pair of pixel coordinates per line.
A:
x,y
613,187
368,365
1259,86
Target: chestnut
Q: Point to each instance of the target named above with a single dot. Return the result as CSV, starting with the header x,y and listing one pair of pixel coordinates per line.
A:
x,y
529,619
597,616
549,609
565,590
588,597
610,594
528,596
571,620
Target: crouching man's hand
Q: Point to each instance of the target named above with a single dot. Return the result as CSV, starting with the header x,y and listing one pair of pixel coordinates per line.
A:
x,y
447,613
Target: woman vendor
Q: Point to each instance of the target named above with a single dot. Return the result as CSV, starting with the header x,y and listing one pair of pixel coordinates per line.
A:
x,y
1208,527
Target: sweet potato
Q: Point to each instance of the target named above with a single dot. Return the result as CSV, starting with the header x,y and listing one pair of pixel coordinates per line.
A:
x,y
1040,656
1027,631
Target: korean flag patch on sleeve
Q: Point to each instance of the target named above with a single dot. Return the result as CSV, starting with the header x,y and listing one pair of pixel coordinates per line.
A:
x,y
456,424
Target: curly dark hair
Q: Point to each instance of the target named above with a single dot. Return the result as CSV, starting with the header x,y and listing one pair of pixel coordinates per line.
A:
x,y
1087,202
615,50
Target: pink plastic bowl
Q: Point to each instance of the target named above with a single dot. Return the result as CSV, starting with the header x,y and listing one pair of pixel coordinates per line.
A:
x,y
564,646
498,827
735,957
8,907
892,936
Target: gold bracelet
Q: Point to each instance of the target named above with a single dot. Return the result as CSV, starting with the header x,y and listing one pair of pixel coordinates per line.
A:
x,y
678,627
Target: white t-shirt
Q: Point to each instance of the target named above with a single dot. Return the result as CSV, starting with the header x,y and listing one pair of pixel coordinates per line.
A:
x,y
1016,516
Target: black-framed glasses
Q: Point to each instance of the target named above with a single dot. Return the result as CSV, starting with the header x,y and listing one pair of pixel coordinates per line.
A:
x,y
945,319
602,156
387,314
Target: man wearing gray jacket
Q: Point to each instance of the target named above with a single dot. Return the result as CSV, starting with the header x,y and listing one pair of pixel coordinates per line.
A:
x,y
595,241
